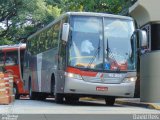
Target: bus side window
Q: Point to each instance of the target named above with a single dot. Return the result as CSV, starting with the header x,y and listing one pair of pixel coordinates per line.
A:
x,y
26,59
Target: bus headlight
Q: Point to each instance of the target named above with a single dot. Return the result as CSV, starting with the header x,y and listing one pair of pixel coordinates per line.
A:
x,y
129,79
73,75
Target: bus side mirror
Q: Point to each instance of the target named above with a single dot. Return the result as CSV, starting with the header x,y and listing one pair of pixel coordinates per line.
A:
x,y
65,31
143,39
139,41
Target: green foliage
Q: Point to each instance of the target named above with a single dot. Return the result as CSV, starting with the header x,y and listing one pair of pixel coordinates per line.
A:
x,y
21,18
105,6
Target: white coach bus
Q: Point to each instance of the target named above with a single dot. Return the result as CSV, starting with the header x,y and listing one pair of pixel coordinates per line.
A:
x,y
82,54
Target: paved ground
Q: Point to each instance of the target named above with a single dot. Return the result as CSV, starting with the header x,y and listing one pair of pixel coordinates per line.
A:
x,y
69,117
83,107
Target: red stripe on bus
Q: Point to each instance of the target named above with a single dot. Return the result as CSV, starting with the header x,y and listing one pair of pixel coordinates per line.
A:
x,y
81,72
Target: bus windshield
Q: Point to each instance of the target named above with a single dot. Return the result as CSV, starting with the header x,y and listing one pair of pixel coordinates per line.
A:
x,y
9,58
101,44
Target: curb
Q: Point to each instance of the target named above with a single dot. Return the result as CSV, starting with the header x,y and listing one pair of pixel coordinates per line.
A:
x,y
154,106
137,104
140,104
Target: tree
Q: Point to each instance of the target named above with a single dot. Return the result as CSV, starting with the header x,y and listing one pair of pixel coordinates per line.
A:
x,y
21,18
8,10
105,6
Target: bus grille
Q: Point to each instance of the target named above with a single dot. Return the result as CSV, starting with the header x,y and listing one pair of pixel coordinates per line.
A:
x,y
103,80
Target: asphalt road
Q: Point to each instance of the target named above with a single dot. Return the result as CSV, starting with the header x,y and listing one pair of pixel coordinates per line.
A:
x,y
83,107
69,117
89,110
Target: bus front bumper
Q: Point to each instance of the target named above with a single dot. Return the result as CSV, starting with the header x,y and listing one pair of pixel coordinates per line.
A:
x,y
75,86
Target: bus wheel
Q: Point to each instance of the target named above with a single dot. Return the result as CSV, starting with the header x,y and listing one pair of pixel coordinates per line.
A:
x,y
71,99
15,91
52,84
41,96
31,93
110,101
59,98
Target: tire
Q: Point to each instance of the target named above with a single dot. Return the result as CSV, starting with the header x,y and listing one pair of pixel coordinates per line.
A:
x,y
41,96
52,84
71,100
110,101
15,91
59,98
32,95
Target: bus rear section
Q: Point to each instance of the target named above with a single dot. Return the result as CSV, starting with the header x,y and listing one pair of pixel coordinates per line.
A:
x,y
89,54
12,60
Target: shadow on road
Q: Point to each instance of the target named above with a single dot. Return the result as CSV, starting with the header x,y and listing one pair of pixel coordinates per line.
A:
x,y
82,102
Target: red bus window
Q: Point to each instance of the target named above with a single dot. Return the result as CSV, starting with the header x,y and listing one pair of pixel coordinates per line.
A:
x,y
11,58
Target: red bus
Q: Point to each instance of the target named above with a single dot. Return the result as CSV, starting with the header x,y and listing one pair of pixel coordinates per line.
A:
x,y
11,59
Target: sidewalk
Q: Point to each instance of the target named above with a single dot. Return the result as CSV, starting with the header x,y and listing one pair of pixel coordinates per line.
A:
x,y
136,102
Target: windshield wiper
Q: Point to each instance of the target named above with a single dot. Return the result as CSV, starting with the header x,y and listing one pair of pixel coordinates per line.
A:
x,y
112,56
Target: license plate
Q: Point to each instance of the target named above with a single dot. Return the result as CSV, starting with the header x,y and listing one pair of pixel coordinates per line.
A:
x,y
99,88
112,75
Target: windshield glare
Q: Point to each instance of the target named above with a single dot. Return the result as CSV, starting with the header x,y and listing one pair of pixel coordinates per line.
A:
x,y
90,47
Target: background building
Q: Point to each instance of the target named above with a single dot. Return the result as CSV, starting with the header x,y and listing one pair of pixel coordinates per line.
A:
x,y
147,16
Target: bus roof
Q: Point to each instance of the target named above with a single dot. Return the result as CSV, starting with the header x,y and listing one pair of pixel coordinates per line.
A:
x,y
81,14
98,15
